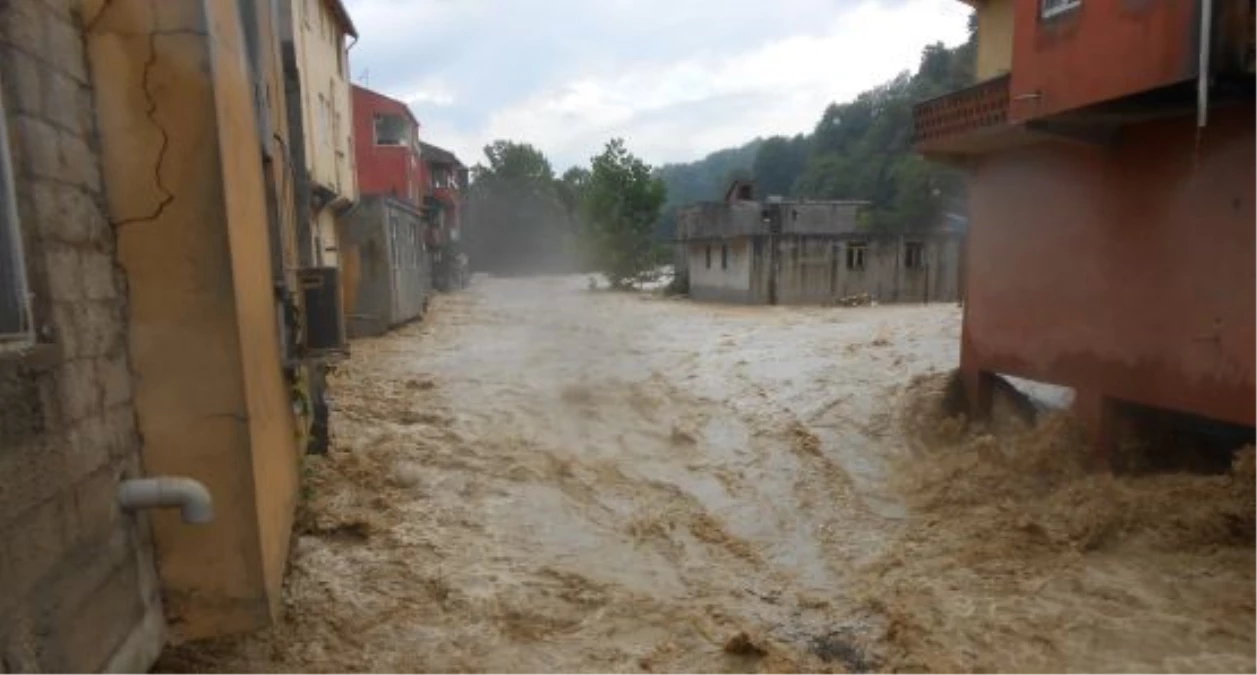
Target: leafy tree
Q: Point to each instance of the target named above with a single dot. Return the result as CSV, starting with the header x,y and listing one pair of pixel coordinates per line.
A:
x,y
511,161
778,164
622,202
518,219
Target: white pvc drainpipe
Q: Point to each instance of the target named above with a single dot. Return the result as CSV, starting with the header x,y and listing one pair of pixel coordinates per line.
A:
x,y
196,506
1202,82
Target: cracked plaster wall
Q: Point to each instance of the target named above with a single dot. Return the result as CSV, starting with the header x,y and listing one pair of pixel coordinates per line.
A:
x,y
185,193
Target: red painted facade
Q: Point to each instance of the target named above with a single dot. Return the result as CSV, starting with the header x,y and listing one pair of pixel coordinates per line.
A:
x,y
1120,264
1126,273
444,177
1103,50
393,170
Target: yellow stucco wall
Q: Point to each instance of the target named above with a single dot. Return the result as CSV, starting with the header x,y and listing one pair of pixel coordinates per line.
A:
x,y
184,188
320,44
995,38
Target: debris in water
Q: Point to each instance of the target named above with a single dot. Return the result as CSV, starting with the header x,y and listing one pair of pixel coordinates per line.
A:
x,y
682,437
742,645
839,646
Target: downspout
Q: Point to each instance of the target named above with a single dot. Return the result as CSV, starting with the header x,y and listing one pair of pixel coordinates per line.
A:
x,y
1202,79
196,506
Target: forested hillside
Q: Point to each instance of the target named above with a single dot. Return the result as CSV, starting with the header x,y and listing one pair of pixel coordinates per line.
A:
x,y
857,150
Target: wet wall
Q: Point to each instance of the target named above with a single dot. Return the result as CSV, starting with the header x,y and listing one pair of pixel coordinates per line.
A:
x,y
1126,270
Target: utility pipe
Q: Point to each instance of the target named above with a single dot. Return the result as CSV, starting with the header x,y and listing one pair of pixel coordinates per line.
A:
x,y
196,506
1202,82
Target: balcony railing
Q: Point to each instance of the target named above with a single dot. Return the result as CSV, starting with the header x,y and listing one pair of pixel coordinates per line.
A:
x,y
946,121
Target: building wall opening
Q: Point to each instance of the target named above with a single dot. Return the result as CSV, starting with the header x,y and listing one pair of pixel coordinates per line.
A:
x,y
15,322
856,254
914,255
391,130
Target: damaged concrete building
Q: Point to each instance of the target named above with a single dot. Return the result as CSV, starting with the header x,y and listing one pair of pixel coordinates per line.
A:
x,y
783,251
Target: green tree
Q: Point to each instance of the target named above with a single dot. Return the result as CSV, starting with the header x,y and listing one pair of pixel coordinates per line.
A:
x,y
859,149
622,202
779,163
517,219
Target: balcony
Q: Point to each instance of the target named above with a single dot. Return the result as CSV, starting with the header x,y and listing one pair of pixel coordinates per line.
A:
x,y
966,122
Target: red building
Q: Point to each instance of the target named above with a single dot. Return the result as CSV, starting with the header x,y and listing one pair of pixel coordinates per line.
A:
x,y
1109,154
386,146
444,179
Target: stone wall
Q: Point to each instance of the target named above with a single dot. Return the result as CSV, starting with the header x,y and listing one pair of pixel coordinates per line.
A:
x,y
77,589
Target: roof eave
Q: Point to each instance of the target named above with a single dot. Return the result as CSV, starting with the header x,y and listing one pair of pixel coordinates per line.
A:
x,y
342,14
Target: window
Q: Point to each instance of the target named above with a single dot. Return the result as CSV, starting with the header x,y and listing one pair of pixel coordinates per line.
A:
x,y
391,130
724,256
15,315
1051,8
856,251
708,257
913,255
321,129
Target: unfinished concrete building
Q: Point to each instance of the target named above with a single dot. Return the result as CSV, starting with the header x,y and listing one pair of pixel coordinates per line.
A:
x,y
386,269
809,252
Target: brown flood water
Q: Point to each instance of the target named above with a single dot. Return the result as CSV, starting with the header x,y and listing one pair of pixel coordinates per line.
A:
x,y
541,478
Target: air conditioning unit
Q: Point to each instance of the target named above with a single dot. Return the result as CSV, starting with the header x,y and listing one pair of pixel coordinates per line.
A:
x,y
325,318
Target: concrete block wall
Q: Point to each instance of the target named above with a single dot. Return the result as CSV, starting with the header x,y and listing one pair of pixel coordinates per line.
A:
x,y
77,586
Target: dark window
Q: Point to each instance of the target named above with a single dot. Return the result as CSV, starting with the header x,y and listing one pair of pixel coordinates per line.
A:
x,y
914,255
833,269
391,130
724,257
708,257
856,252
15,323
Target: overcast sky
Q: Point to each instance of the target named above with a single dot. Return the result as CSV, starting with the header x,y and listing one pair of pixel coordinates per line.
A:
x,y
676,78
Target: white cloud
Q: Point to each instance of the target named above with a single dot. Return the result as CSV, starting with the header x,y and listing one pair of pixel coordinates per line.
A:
x,y
675,79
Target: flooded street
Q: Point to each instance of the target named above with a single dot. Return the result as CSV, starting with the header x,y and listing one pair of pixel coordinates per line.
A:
x,y
544,478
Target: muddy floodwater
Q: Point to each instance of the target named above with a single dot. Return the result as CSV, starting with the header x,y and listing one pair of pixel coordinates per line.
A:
x,y
543,478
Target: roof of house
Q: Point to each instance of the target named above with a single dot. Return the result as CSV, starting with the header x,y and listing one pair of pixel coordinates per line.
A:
x,y
438,155
392,102
342,15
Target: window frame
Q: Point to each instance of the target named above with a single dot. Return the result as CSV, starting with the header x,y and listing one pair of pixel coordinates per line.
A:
x,y
914,255
724,256
17,326
708,256
857,255
402,138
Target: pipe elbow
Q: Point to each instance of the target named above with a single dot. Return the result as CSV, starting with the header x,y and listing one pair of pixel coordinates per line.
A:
x,y
195,504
